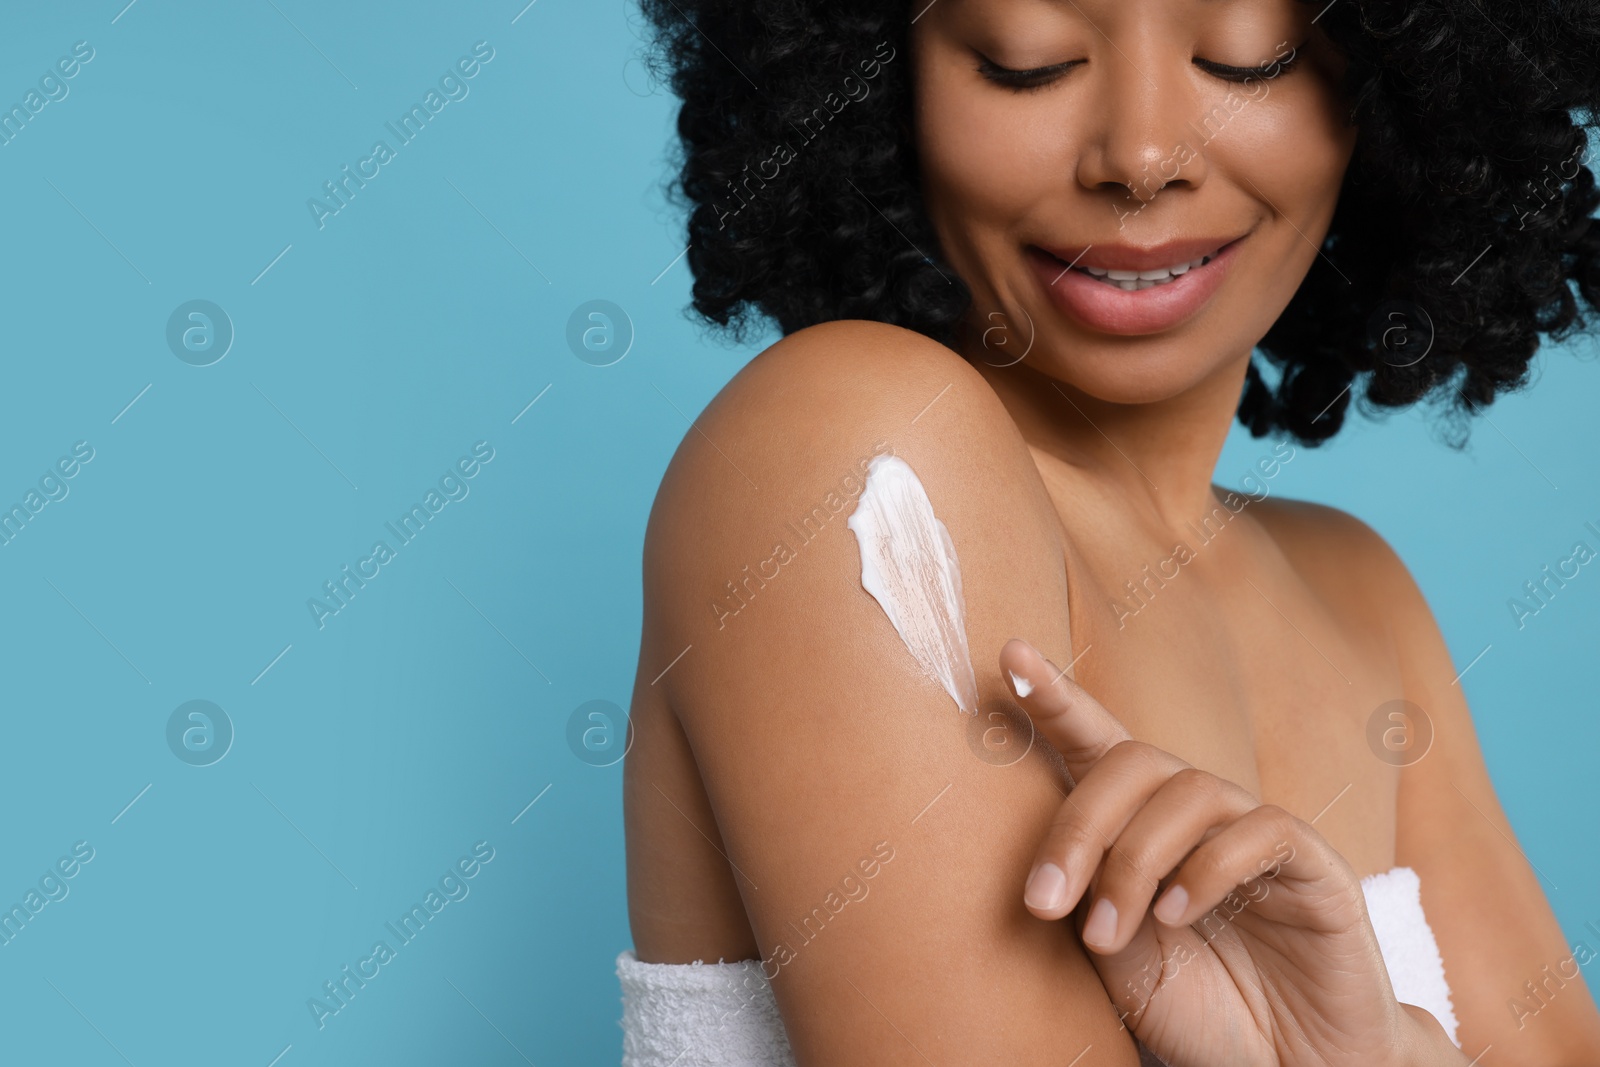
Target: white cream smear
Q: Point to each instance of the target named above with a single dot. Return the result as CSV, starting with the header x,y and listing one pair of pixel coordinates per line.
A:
x,y
908,564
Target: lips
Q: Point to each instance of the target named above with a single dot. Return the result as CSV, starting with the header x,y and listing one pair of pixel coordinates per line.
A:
x,y
1131,257
1133,291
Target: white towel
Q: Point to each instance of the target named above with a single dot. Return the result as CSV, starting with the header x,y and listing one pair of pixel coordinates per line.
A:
x,y
700,1015
724,1014
1416,970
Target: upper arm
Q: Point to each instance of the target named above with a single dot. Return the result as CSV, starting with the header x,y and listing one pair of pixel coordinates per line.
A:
x,y
880,857
1482,897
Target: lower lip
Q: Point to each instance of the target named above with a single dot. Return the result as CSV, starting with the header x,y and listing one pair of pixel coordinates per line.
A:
x,y
1107,308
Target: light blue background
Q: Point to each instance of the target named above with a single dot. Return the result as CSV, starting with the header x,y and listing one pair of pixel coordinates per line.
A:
x,y
425,716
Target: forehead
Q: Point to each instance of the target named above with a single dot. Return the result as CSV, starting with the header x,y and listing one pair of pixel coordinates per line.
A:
x,y
1100,12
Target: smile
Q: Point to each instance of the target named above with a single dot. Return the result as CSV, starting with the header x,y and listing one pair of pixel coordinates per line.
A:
x,y
1134,280
1121,289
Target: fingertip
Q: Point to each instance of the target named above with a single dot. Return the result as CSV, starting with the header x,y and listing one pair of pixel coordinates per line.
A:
x,y
1046,891
1100,928
1018,647
1173,903
1017,662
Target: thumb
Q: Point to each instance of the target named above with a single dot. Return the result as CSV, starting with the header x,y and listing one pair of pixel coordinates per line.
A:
x,y
1074,722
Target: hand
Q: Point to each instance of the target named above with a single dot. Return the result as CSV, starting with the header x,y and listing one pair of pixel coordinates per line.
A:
x,y
1258,950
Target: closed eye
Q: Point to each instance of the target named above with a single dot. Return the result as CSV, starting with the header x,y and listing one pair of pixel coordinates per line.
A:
x,y
1273,68
1040,77
1034,78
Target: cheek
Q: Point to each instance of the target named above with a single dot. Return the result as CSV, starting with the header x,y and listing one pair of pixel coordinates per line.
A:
x,y
1295,150
1289,154
995,171
988,158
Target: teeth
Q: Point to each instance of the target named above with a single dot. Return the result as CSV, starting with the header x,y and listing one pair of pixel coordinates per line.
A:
x,y
1135,280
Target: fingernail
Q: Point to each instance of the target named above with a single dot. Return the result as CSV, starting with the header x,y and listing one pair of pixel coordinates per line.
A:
x,y
1019,685
1047,887
1102,924
1171,906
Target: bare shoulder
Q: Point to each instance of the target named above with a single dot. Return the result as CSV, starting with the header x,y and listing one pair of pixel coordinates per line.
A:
x,y
784,447
1349,563
1303,527
1483,899
803,396
875,831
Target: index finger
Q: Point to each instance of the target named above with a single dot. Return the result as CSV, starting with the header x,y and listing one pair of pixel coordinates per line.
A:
x,y
1079,727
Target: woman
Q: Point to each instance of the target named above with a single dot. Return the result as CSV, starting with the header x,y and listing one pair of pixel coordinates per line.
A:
x,y
1022,252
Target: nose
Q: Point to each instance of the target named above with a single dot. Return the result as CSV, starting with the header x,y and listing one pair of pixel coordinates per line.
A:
x,y
1137,140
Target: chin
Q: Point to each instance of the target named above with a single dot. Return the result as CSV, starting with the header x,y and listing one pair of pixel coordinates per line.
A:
x,y
1126,374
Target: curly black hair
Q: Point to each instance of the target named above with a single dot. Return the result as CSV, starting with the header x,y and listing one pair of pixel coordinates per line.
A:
x,y
1463,227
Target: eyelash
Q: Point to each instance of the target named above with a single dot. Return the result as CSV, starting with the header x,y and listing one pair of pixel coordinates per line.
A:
x,y
1023,80
1264,71
1040,77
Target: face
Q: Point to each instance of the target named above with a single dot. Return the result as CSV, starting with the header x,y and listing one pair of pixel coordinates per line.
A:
x,y
1066,145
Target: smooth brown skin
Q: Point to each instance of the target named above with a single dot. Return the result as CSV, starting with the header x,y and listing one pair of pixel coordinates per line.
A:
x,y
790,738
1258,903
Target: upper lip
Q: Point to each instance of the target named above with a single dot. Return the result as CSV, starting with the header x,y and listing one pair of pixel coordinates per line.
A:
x,y
1134,257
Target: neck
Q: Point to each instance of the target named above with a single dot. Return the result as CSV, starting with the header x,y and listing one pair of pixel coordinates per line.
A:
x,y
1158,456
